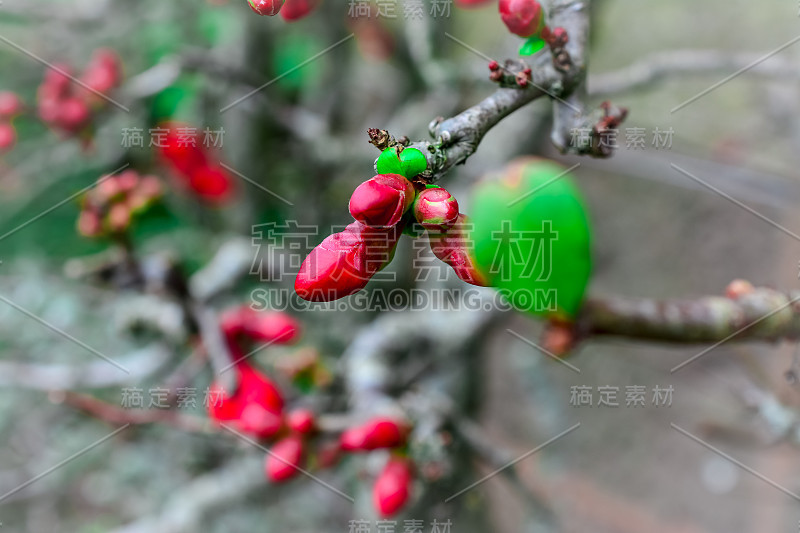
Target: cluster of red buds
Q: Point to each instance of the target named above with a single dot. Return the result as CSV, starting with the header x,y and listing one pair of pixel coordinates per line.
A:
x,y
109,208
194,166
505,75
392,488
256,408
10,107
612,117
290,10
68,107
384,207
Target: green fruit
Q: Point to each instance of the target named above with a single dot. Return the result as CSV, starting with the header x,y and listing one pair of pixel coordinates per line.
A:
x,y
409,163
532,237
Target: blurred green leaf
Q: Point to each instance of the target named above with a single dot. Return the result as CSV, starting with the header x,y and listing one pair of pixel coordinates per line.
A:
x,y
294,49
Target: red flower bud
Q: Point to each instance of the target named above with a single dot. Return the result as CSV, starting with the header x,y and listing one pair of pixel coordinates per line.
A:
x,y
185,156
436,209
738,288
558,338
379,432
150,187
8,137
57,81
232,322
285,459
10,105
119,218
558,37
522,17
89,224
49,108
297,9
257,420
455,247
128,180
73,115
103,73
352,440
255,405
212,184
182,153
392,489
301,421
267,326
272,326
344,262
268,8
108,189
382,200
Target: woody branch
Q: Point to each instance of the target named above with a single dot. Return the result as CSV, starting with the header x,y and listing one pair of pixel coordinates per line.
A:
x,y
559,74
754,313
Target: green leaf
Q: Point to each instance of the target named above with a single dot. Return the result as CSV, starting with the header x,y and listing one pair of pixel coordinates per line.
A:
x,y
532,237
218,25
297,49
531,46
160,39
409,163
179,101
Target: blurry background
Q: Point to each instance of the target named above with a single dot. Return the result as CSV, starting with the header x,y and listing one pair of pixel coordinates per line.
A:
x,y
657,234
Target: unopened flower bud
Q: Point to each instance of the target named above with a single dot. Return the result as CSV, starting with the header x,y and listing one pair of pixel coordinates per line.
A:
x,y
344,262
455,247
379,432
268,8
285,459
297,9
522,17
73,115
89,224
119,218
382,200
436,209
738,288
301,421
8,137
254,407
10,105
392,489
275,327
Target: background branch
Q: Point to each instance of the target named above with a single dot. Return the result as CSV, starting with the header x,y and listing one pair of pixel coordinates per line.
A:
x,y
762,314
656,67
